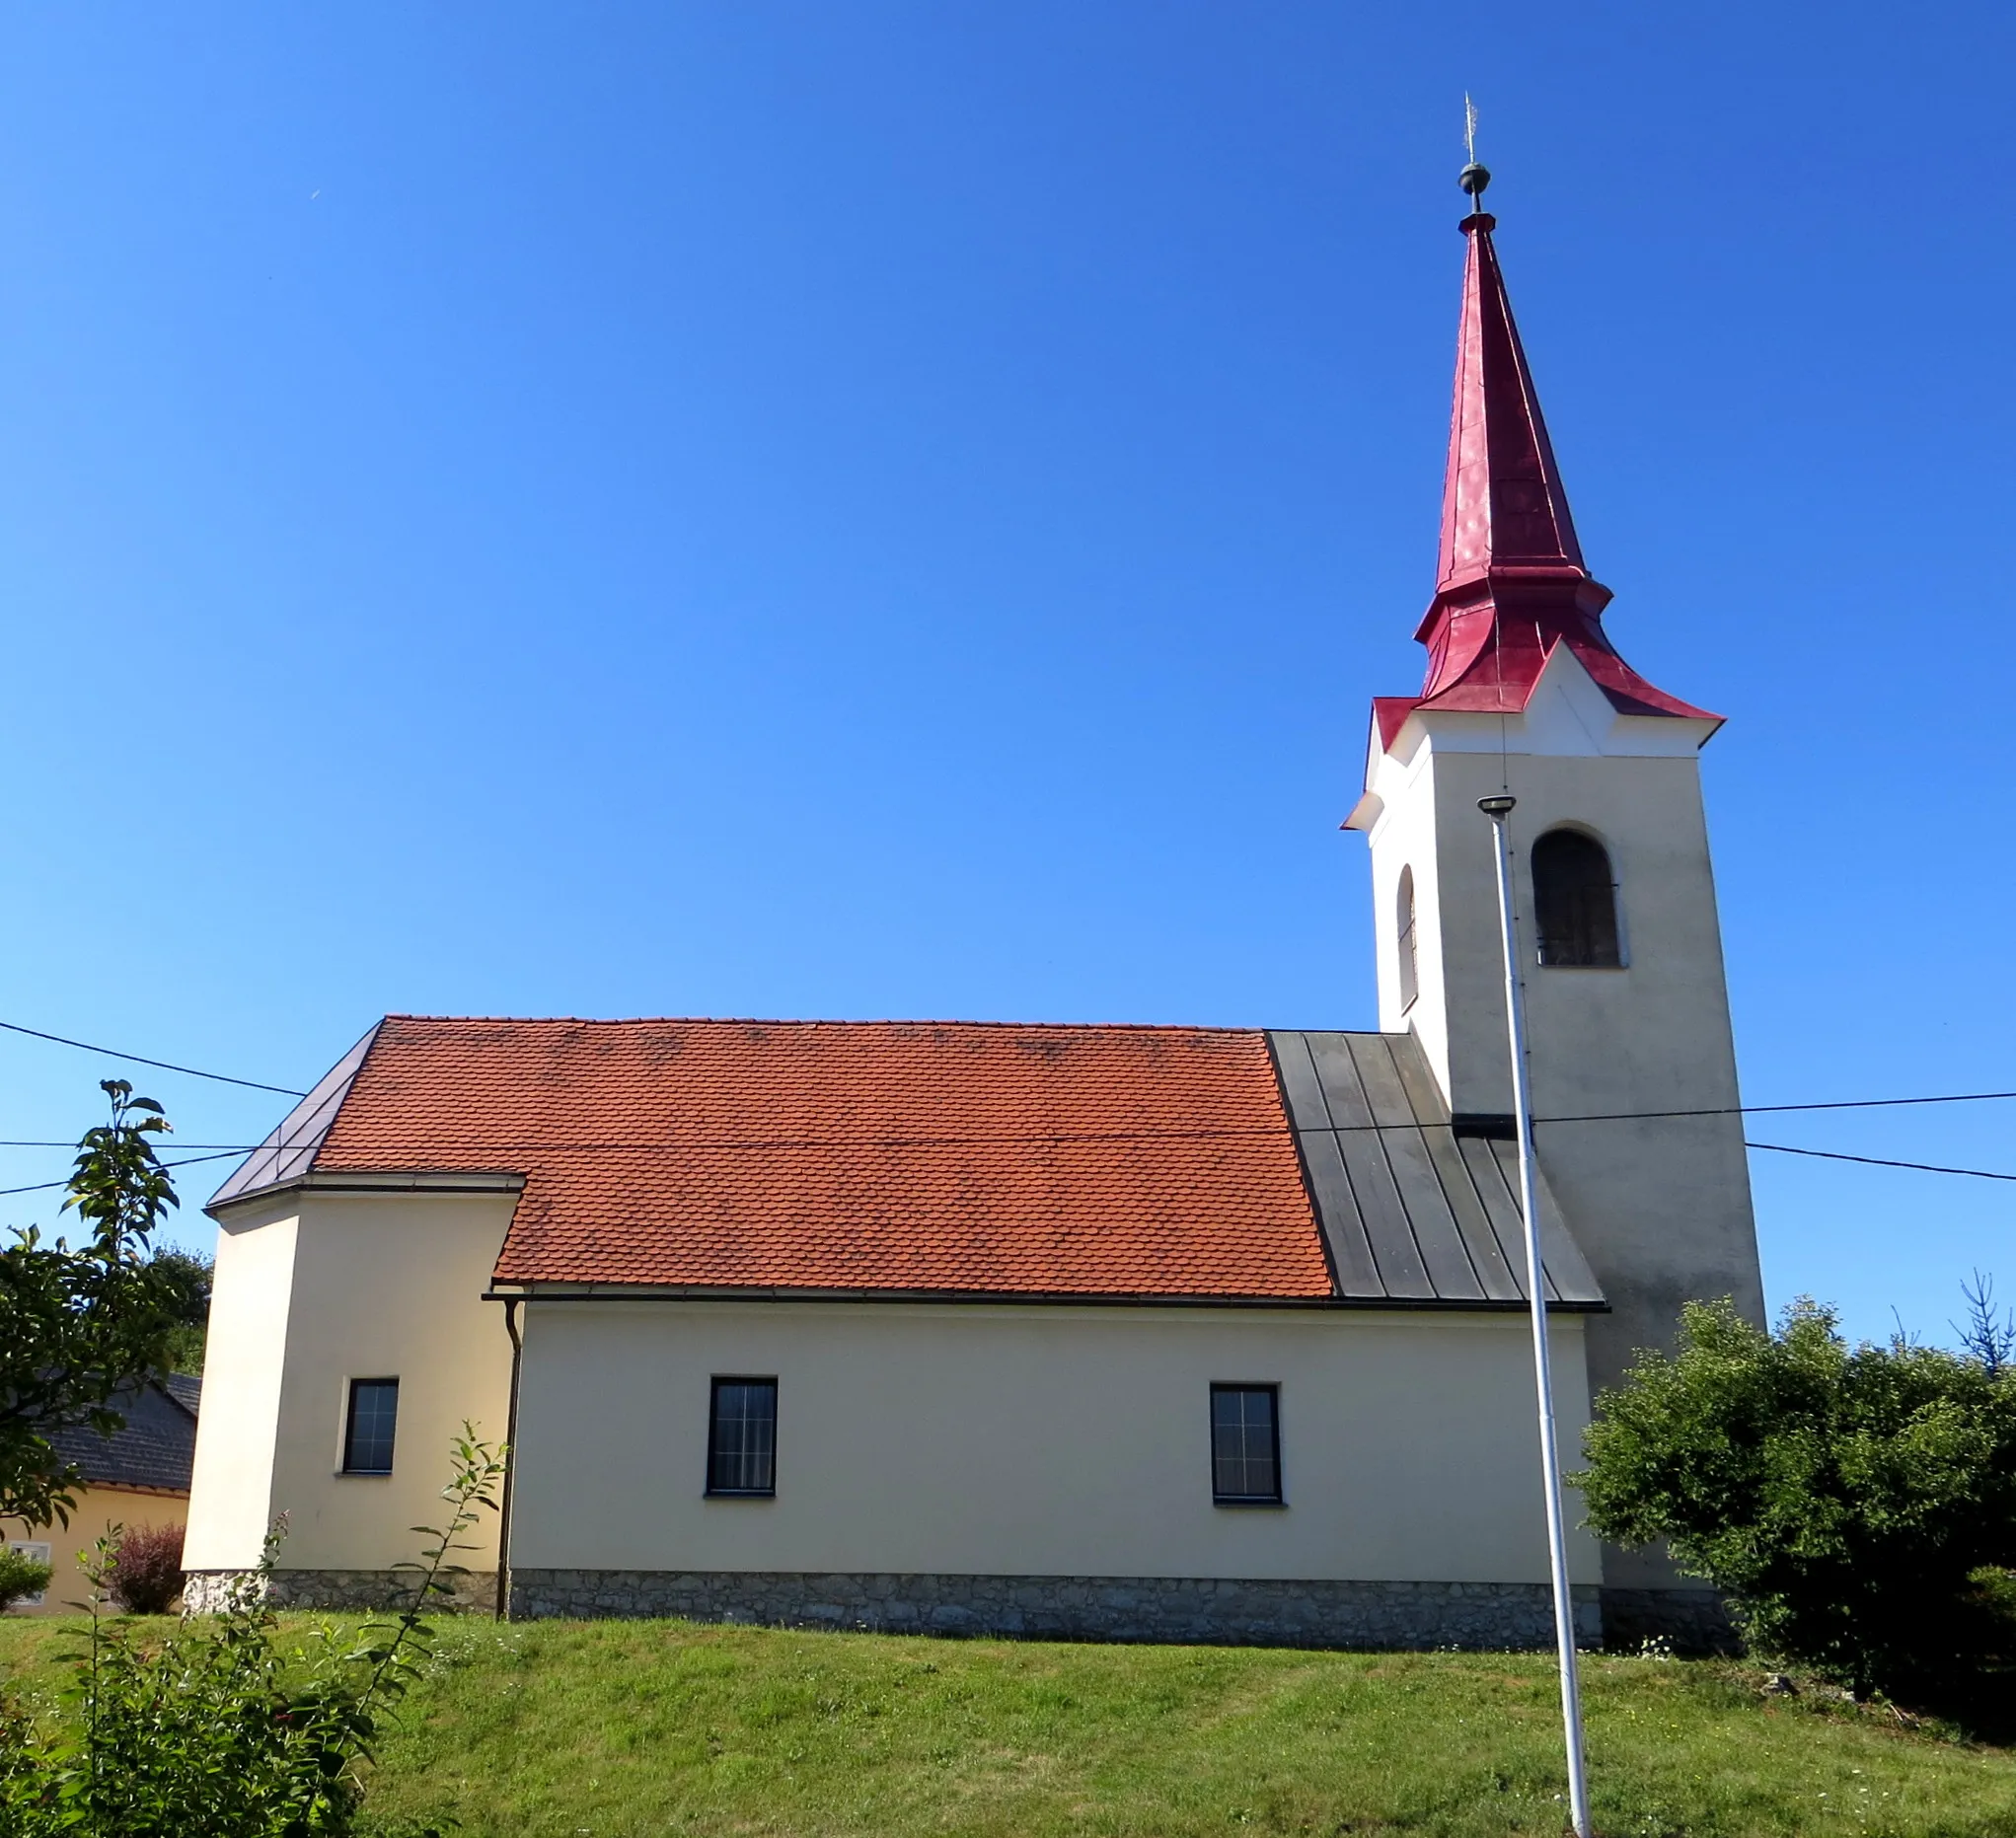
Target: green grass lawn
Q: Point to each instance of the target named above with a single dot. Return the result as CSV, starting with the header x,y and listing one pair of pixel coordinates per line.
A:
x,y
605,1730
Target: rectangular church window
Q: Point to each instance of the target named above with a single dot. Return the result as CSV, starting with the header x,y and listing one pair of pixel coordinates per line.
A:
x,y
373,1420
741,1443
1246,1446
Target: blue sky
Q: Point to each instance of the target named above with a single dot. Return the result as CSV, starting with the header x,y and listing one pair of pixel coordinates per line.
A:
x,y
898,509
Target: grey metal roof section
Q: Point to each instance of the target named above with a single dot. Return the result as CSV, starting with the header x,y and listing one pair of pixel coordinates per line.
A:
x,y
1412,1213
156,1449
289,1151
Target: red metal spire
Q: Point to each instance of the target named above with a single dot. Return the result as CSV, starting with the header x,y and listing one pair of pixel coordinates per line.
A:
x,y
1512,584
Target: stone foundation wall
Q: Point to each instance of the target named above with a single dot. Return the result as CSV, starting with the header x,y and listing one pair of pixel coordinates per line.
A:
x,y
204,1591
1693,1621
1315,1613
1115,1608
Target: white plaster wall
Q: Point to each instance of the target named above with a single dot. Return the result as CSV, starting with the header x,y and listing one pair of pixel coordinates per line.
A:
x,y
342,1287
923,1437
1660,1206
230,1498
1404,837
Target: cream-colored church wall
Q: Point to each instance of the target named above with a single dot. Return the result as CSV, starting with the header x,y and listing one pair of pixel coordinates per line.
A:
x,y
382,1286
389,1287
231,1492
981,1440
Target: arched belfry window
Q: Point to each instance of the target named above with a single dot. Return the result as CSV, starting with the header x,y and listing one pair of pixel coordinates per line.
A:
x,y
1410,962
1575,901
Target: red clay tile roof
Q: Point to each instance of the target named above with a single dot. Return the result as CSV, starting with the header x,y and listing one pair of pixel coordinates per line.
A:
x,y
957,1158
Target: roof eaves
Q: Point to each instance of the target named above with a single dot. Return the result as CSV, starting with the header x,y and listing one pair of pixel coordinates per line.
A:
x,y
1048,1298
381,1181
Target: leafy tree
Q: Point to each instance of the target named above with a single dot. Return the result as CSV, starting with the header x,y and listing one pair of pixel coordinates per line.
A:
x,y
1988,1334
192,1277
77,1325
1852,1502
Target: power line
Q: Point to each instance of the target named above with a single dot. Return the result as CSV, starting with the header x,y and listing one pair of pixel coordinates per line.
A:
x,y
216,1151
505,1145
1760,1110
1880,1161
166,1066
1724,1110
220,1154
184,1161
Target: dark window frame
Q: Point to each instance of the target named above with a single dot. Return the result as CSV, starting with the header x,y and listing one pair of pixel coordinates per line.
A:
x,y
1272,1390
350,1463
1578,917
713,1425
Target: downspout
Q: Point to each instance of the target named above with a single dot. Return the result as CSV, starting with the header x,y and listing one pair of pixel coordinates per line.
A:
x,y
503,1607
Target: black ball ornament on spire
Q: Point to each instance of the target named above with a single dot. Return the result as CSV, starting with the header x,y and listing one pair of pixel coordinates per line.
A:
x,y
1473,178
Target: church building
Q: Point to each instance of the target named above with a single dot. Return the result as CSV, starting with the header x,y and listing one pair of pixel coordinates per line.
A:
x,y
1137,1333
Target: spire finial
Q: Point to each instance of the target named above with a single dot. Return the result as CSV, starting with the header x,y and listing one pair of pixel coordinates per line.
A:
x,y
1473,178
1511,584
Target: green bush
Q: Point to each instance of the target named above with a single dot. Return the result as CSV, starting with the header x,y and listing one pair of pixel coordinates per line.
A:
x,y
213,1728
1857,1504
20,1575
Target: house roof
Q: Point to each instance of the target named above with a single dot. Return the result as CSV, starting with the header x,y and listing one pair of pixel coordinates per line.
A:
x,y
156,1449
922,1158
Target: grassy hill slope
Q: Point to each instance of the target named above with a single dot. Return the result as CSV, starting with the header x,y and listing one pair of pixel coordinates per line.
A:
x,y
609,1729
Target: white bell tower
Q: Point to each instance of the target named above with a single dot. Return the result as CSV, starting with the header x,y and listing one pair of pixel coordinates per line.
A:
x,y
1626,1001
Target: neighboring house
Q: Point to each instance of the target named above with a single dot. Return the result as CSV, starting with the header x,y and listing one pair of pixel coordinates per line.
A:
x,y
137,1476
1134,1332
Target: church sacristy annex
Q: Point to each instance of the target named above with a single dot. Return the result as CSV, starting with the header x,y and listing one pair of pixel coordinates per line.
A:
x,y
1115,1332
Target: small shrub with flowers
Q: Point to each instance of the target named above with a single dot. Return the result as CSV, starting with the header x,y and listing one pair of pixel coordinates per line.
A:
x,y
214,1728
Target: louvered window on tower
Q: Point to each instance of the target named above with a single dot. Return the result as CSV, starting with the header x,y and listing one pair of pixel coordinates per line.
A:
x,y
1410,962
1575,902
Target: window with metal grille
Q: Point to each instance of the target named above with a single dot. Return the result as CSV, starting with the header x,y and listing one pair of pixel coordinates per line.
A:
x,y
1575,902
1246,1446
741,1443
1411,963
373,1421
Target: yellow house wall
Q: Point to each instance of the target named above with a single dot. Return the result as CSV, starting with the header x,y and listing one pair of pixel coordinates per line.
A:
x,y
920,1437
98,1511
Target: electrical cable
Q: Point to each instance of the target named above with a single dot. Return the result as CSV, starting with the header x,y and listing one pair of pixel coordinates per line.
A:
x,y
1095,1135
1722,1110
216,1151
222,1079
184,1161
1880,1161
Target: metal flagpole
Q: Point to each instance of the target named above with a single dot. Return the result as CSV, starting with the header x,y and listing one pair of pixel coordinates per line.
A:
x,y
1498,808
